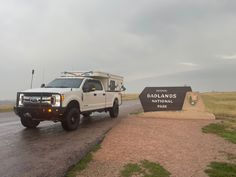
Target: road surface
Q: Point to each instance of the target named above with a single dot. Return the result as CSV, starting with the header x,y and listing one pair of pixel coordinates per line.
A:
x,y
49,151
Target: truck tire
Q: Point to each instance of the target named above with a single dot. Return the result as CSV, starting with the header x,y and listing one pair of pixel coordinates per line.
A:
x,y
114,111
71,120
28,122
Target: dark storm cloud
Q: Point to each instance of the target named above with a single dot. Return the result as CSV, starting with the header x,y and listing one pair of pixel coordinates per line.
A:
x,y
136,39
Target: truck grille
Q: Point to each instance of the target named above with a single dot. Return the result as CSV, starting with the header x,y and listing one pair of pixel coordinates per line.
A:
x,y
36,100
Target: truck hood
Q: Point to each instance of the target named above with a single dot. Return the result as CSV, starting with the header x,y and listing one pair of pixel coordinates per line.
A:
x,y
47,90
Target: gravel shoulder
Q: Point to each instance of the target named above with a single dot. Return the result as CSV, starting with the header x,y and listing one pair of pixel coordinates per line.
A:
x,y
178,145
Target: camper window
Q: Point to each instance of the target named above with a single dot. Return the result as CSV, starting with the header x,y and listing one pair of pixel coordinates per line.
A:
x,y
112,85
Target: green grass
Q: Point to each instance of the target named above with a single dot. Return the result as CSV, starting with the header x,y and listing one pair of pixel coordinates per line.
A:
x,y
223,105
131,169
145,169
96,147
225,129
221,169
83,163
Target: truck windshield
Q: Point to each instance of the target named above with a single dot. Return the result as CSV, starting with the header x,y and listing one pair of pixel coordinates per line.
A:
x,y
65,83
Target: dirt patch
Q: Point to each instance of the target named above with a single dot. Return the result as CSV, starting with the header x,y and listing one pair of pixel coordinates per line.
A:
x,y
178,145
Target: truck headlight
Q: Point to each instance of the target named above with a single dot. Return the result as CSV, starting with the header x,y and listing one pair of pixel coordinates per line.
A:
x,y
56,100
21,100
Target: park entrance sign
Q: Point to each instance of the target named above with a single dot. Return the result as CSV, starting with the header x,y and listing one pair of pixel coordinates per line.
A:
x,y
163,98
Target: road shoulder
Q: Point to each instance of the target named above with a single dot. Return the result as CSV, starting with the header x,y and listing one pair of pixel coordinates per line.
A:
x,y
178,145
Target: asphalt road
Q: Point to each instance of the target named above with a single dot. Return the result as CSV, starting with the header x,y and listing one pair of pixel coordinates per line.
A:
x,y
49,151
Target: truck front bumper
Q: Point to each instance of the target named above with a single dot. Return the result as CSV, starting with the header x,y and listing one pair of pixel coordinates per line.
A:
x,y
41,113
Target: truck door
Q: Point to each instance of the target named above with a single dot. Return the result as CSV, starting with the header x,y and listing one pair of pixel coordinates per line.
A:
x,y
93,95
99,94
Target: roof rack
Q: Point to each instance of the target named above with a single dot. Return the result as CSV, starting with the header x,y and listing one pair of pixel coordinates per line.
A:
x,y
93,74
73,73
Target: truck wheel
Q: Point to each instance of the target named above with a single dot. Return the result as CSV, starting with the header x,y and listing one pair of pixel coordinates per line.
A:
x,y
28,122
71,120
114,111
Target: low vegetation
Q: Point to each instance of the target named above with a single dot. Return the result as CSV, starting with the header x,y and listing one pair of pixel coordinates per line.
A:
x,y
145,169
6,108
225,129
221,169
130,96
83,163
222,105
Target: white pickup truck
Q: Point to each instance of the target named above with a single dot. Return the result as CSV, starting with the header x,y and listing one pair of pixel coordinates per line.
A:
x,y
69,96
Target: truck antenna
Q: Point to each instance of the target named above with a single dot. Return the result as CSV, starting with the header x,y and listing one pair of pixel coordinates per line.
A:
x,y
32,78
43,75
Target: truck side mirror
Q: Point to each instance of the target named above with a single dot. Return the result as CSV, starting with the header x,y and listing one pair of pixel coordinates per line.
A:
x,y
42,85
123,88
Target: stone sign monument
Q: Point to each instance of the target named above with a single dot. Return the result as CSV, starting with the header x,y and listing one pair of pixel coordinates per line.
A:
x,y
163,98
173,103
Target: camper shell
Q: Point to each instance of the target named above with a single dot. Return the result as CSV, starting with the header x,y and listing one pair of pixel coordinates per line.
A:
x,y
111,82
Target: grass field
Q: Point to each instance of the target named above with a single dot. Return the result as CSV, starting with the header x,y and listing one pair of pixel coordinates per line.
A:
x,y
6,108
130,96
223,105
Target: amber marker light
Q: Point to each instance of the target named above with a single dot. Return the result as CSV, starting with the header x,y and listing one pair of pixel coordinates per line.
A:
x,y
62,97
49,110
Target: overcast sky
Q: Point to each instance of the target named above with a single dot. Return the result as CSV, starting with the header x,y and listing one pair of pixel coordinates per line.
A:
x,y
149,42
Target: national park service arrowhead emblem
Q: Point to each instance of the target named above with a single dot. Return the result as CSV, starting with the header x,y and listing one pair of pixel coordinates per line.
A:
x,y
193,99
